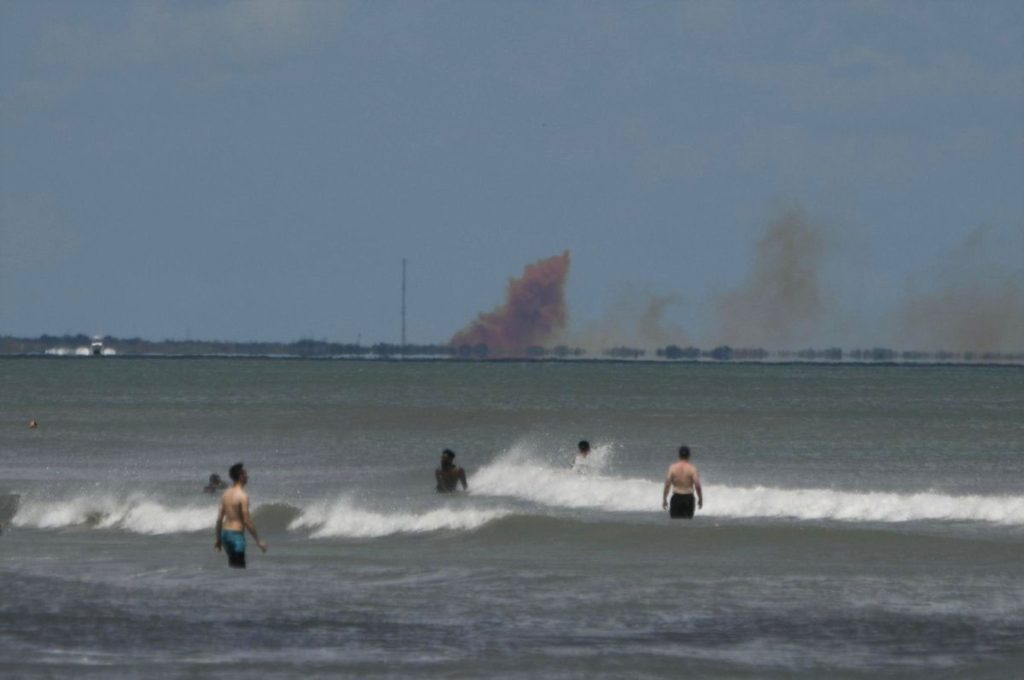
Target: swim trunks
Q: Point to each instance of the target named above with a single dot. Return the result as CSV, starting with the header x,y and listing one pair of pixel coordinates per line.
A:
x,y
234,546
682,506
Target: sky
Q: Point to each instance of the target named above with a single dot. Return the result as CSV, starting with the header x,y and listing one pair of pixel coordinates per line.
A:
x,y
257,170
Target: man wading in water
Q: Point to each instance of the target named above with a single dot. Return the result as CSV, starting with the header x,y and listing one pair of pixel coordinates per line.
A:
x,y
233,519
581,458
449,475
683,479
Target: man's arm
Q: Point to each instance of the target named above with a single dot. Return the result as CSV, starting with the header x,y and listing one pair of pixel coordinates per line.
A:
x,y
247,521
696,487
220,523
664,492
462,478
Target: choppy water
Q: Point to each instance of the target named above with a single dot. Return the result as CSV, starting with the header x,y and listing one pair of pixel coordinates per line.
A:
x,y
858,521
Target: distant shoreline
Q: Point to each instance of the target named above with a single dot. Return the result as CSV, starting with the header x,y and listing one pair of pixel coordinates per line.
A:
x,y
82,346
846,363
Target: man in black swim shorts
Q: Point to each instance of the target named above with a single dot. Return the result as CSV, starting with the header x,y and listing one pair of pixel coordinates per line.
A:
x,y
683,479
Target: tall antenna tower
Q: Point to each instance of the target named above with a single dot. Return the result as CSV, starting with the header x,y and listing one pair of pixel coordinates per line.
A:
x,y
403,307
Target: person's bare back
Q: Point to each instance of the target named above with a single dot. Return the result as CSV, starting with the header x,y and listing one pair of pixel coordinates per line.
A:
x,y
682,475
683,480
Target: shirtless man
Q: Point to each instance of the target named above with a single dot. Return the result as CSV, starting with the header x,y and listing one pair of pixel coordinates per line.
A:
x,y
683,479
449,474
581,456
233,519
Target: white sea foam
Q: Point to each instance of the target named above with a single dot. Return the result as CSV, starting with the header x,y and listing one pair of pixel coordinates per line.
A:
x,y
564,487
342,519
132,513
862,507
515,475
141,515
537,483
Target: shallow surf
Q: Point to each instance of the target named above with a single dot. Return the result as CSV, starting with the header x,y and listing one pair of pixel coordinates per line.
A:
x,y
857,521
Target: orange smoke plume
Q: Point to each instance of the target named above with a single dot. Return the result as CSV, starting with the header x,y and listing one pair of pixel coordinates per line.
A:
x,y
534,311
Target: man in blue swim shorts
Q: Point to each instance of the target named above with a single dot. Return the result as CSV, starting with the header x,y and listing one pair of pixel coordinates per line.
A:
x,y
233,519
234,545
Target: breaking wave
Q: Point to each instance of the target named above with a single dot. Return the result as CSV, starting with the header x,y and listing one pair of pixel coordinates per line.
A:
x,y
515,475
142,515
343,519
136,514
531,487
812,504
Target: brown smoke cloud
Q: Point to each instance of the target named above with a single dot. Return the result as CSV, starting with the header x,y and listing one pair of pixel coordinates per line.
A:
x,y
533,313
782,298
973,304
634,319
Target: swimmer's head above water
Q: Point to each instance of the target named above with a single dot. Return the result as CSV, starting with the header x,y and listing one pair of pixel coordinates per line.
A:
x,y
447,459
584,447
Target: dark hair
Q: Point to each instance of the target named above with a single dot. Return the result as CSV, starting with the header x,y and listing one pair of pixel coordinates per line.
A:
x,y
235,472
584,445
684,452
448,452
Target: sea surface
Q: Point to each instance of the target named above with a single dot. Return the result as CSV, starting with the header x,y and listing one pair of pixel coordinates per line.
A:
x,y
859,521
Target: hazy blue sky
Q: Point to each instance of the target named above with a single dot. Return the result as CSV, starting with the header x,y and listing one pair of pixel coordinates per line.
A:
x,y
257,170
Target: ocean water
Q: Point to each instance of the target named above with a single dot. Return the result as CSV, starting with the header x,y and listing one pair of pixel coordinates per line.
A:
x,y
859,521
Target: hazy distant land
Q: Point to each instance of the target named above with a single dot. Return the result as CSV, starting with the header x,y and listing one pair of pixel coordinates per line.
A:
x,y
79,345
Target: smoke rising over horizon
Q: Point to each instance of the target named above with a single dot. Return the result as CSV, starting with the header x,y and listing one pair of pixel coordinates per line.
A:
x,y
970,301
634,319
973,304
781,299
533,313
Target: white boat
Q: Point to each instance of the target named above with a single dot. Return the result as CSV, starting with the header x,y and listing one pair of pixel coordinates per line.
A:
x,y
96,349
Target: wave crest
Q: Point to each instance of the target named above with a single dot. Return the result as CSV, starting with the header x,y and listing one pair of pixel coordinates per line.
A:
x,y
275,517
810,504
516,476
342,519
136,514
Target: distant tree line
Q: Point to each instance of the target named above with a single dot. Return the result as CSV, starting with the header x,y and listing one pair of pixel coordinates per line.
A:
x,y
308,348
